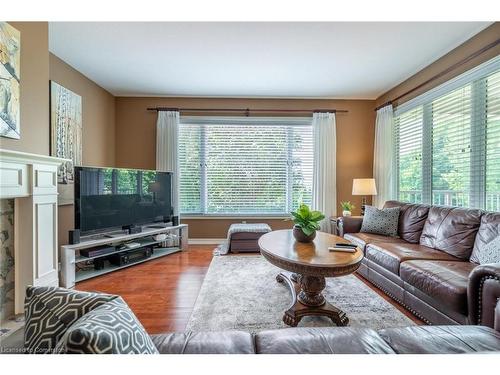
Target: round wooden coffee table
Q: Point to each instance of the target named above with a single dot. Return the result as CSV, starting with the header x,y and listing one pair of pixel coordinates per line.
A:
x,y
308,265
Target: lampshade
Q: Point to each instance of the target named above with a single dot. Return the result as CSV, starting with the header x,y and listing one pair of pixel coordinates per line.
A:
x,y
364,186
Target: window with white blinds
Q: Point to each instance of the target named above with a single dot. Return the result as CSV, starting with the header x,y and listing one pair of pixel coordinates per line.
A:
x,y
191,167
447,142
252,167
451,148
493,142
409,155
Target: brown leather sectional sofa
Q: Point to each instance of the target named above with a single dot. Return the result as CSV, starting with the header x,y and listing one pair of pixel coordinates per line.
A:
x,y
427,268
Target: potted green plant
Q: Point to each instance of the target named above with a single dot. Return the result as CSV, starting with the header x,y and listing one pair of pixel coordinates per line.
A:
x,y
306,223
347,208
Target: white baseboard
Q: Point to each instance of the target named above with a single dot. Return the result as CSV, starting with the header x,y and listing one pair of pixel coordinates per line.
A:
x,y
206,241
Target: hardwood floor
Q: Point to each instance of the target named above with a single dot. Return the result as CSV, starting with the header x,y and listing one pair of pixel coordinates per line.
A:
x,y
162,292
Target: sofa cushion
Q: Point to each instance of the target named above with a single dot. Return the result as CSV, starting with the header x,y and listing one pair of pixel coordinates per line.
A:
x,y
383,221
452,230
362,239
412,218
320,340
391,255
444,281
486,250
225,342
442,339
111,328
50,311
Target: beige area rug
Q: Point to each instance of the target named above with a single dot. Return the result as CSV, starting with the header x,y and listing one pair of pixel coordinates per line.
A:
x,y
241,292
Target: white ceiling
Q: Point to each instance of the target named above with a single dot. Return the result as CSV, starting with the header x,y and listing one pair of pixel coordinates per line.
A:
x,y
300,59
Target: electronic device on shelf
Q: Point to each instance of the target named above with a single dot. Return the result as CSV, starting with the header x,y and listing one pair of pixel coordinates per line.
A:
x,y
96,251
160,237
99,264
132,245
175,220
108,199
131,256
76,266
132,229
74,236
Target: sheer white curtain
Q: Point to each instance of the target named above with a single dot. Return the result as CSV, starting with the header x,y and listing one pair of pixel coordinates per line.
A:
x,y
167,155
383,166
324,171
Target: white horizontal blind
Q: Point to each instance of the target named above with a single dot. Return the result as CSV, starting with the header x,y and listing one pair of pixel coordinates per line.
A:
x,y
254,168
487,68
455,132
190,166
408,143
301,159
451,148
246,169
493,142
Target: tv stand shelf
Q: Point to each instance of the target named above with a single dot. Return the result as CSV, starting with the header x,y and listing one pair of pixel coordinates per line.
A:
x,y
88,274
146,243
71,258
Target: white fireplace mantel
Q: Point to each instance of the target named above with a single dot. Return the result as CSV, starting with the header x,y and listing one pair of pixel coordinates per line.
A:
x,y
31,180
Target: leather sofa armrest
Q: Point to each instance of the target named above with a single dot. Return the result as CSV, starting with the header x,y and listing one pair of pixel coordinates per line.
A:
x,y
348,224
497,317
483,294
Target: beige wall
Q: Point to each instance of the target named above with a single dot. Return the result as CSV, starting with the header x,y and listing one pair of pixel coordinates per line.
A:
x,y
34,90
37,68
120,131
98,116
135,142
98,113
476,43
135,127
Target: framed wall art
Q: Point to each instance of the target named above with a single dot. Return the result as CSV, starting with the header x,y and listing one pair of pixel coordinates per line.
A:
x,y
66,136
10,79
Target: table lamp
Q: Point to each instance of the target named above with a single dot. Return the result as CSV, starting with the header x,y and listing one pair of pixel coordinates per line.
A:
x,y
364,187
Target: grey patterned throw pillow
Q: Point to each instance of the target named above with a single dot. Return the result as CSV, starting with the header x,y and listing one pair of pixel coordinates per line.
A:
x,y
490,253
383,221
49,311
109,329
487,243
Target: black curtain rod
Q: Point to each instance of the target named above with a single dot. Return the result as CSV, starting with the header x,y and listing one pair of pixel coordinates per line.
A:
x,y
439,75
246,111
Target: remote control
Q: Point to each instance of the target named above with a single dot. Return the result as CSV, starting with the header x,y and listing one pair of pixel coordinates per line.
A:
x,y
342,249
351,245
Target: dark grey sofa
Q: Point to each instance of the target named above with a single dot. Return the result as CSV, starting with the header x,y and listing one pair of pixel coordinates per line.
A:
x,y
322,340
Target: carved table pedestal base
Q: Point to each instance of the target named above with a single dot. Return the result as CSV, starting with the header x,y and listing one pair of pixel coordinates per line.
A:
x,y
307,299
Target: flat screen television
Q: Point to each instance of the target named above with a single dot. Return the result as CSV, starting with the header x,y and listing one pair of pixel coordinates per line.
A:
x,y
113,198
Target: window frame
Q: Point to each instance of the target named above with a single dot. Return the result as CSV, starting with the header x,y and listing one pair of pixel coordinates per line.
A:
x,y
204,121
477,78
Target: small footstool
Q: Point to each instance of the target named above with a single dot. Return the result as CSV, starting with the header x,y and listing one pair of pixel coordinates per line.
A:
x,y
245,237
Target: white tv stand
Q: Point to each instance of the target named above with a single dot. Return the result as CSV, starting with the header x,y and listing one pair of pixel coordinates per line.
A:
x,y
70,254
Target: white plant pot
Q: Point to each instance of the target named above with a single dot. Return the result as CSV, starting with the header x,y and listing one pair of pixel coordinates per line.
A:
x,y
346,213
